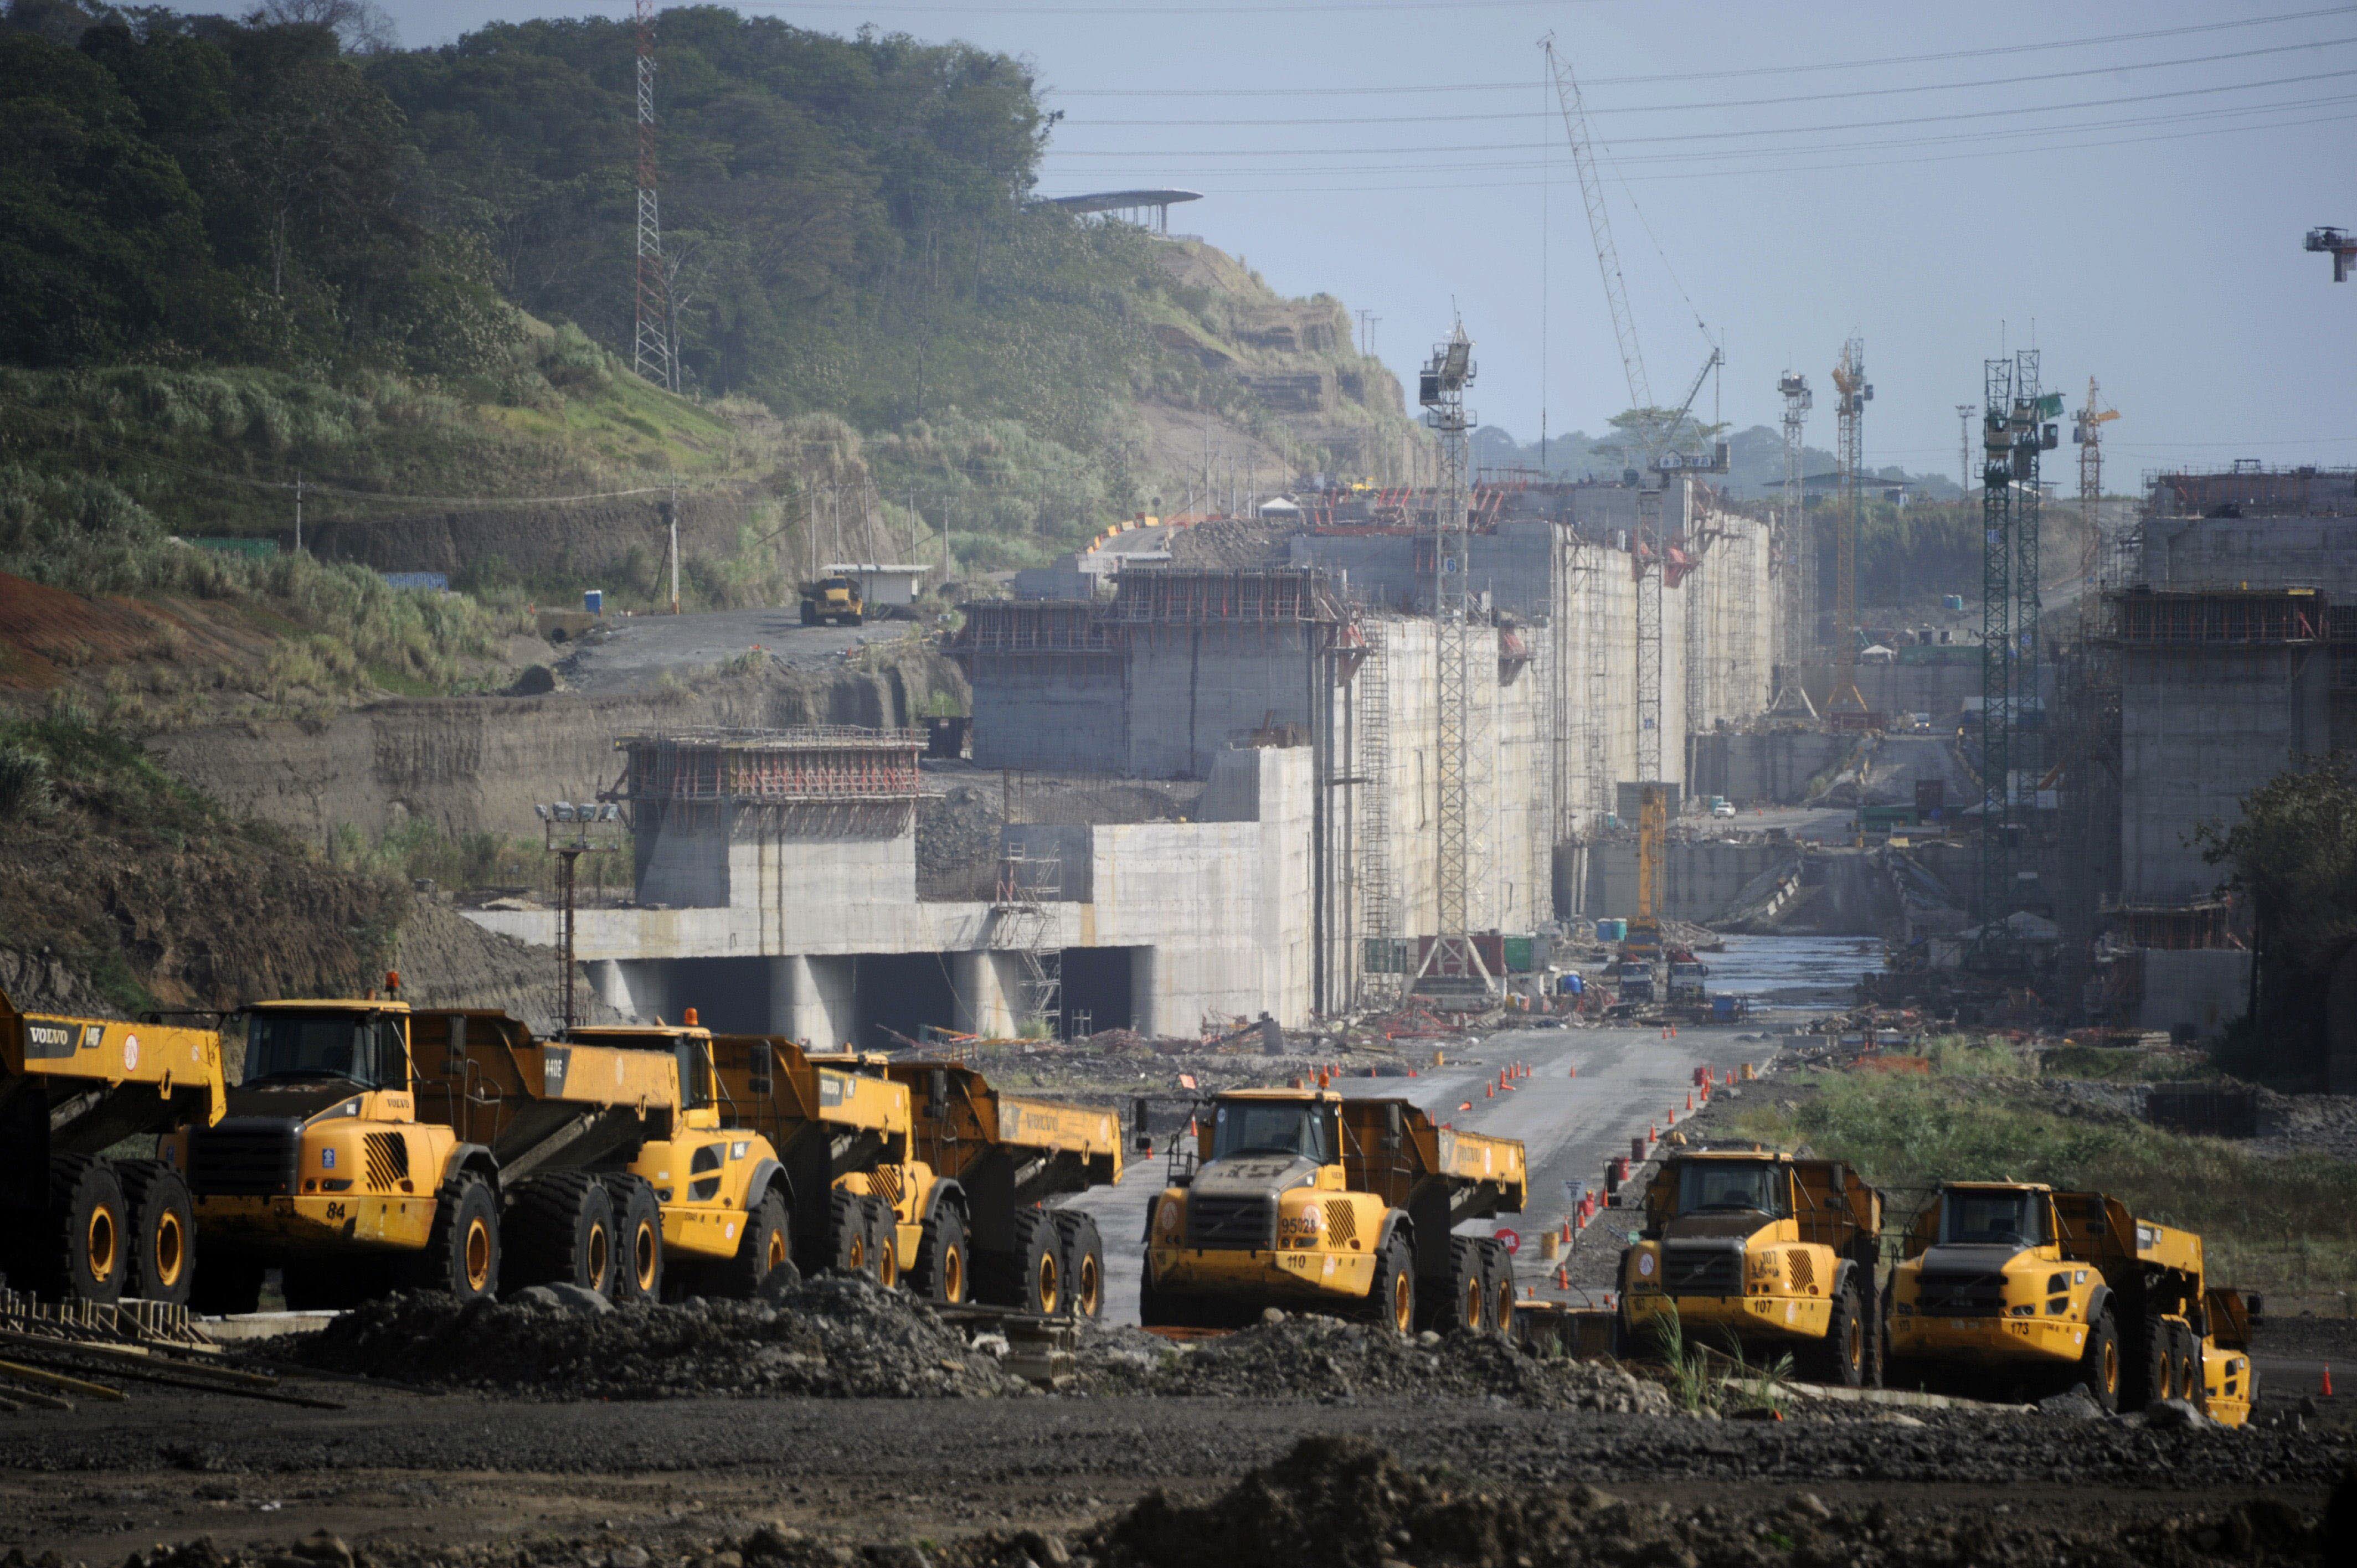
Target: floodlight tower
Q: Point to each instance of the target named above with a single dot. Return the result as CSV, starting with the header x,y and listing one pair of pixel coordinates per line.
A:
x,y
1453,964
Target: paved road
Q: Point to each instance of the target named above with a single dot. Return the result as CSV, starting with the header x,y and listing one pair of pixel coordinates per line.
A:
x,y
1628,1078
639,650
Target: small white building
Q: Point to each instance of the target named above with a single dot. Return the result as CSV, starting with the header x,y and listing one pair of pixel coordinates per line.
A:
x,y
881,584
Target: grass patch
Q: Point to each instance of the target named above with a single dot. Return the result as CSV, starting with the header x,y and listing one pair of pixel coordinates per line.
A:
x,y
2267,1224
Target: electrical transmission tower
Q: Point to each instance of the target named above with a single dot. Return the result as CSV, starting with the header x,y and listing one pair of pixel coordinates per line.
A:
x,y
2014,428
1452,966
1852,393
651,346
1795,557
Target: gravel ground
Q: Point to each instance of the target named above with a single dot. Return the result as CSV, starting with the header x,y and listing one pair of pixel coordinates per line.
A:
x,y
836,1338
1325,1358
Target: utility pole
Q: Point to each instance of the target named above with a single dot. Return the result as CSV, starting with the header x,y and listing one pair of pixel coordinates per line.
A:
x,y
570,832
1452,966
1852,391
298,514
670,519
651,346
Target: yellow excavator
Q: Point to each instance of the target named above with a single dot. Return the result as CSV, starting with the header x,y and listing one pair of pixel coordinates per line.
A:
x,y
75,1223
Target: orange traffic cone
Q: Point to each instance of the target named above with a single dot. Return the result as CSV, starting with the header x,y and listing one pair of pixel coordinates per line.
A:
x,y
1489,1091
1464,1105
1563,1278
2327,1390
1674,1115
1689,1105
1653,1133
1575,1069
1567,1227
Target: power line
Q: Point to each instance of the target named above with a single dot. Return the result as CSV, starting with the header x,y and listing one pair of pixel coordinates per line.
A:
x,y
1740,103
962,9
1687,76
2044,135
1747,134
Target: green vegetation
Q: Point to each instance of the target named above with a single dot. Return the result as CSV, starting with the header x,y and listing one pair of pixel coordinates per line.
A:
x,y
154,895
2268,1224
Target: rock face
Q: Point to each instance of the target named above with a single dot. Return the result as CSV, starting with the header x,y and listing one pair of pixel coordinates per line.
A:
x,y
478,764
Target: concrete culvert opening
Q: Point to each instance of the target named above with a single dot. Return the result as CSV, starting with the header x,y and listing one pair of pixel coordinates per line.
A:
x,y
900,994
1099,989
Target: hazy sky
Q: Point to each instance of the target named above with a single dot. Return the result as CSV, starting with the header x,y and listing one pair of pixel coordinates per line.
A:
x,y
1939,179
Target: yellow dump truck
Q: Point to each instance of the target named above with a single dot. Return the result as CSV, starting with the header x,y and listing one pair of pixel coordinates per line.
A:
x,y
833,600
859,1200
1008,1158
2007,1288
73,1222
373,1147
322,1169
1778,1252
1305,1200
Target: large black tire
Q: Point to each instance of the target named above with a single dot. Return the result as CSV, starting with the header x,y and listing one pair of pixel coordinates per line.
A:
x,y
163,1232
638,1239
810,615
1159,1309
1840,1359
941,1271
2155,1369
2100,1367
883,1242
768,1243
1498,1279
1392,1303
1458,1302
462,1251
87,1250
1030,1276
1083,1250
2190,1385
559,1230
229,1284
851,1232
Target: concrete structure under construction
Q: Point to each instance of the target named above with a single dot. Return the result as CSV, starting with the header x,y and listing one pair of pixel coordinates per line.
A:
x,y
777,882
2227,656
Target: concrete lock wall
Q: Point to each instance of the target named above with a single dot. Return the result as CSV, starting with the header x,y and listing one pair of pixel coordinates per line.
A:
x,y
2257,551
2200,728
1052,715
2201,989
1765,768
1698,879
1194,691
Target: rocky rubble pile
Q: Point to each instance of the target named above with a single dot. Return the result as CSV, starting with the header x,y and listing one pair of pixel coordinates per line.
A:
x,y
834,1337
1323,1358
1339,1503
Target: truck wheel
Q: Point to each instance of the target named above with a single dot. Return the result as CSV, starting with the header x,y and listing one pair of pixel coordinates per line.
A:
x,y
884,1242
1392,1302
850,1232
560,1232
940,1273
768,1243
1029,1277
1083,1250
90,1244
329,1284
2190,1385
2156,1368
1458,1302
859,617
462,1251
1839,1359
2099,1363
810,615
638,1239
227,1284
1497,1272
163,1232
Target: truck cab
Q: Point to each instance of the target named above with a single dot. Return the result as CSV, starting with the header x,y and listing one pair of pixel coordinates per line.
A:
x,y
320,1155
1773,1250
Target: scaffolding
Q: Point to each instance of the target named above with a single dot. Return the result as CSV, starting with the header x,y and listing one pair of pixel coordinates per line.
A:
x,y
1845,704
2016,426
1022,924
2215,617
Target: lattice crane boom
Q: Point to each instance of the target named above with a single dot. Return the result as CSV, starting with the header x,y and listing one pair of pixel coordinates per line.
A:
x,y
1600,224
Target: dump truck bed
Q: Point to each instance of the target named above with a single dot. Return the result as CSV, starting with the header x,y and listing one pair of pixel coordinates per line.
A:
x,y
530,1100
91,1082
1394,1148
960,1121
